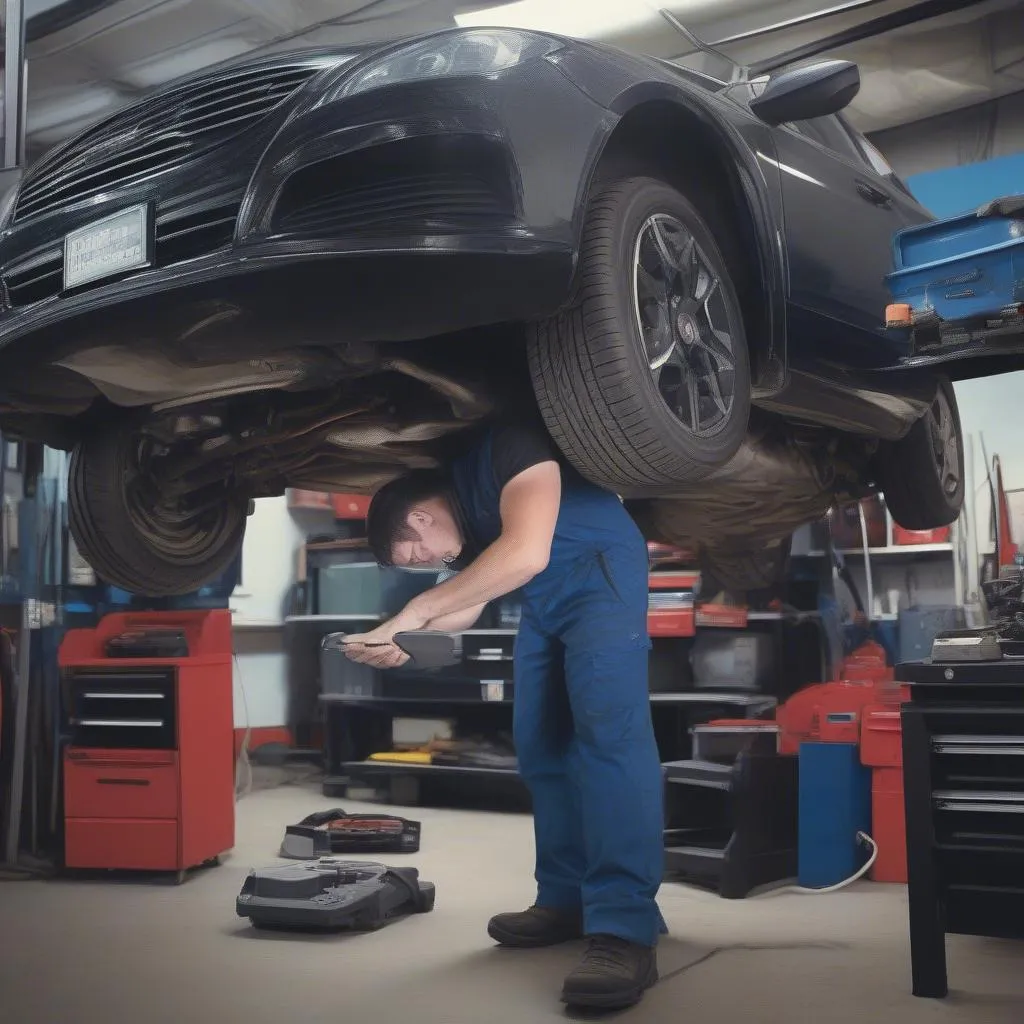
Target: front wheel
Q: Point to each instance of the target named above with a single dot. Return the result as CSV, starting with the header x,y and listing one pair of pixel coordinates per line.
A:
x,y
135,537
921,475
644,383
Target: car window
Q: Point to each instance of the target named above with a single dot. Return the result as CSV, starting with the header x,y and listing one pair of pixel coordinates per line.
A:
x,y
873,156
830,133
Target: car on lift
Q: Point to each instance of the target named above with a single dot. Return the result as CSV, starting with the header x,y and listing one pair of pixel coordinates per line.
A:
x,y
317,269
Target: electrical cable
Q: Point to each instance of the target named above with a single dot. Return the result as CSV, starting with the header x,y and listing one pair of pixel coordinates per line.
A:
x,y
801,890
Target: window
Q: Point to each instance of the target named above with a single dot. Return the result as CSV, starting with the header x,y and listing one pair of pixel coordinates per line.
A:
x,y
832,134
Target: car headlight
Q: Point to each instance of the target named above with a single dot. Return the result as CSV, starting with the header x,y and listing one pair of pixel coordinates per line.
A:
x,y
463,54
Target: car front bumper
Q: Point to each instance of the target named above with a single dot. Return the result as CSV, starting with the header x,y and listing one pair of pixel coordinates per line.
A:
x,y
399,214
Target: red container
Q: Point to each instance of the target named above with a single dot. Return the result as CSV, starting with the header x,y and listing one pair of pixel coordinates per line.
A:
x,y
671,622
350,506
888,825
901,536
881,738
845,525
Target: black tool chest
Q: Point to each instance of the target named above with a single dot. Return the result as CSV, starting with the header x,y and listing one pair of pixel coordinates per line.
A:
x,y
963,763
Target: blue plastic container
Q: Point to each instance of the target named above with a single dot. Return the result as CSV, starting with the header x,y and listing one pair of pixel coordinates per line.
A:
x,y
960,268
835,804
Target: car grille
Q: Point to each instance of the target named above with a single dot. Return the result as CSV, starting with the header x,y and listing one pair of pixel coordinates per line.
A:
x,y
161,132
421,185
429,201
179,237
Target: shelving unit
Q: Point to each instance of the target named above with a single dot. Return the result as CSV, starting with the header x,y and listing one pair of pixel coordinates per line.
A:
x,y
479,693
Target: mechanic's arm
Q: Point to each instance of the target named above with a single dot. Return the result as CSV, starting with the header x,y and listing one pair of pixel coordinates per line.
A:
x,y
529,509
456,622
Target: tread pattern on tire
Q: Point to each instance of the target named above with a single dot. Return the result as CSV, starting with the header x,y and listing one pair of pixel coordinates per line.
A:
x,y
907,477
106,536
582,374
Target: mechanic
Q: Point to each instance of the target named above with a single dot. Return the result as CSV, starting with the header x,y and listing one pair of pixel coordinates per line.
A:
x,y
509,514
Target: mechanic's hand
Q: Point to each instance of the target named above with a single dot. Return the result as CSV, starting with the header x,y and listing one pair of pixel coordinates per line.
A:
x,y
376,648
376,654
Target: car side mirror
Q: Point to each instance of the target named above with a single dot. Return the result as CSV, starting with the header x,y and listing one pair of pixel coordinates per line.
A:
x,y
816,90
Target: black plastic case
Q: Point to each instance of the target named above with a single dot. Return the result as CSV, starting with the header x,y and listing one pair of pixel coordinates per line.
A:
x,y
332,894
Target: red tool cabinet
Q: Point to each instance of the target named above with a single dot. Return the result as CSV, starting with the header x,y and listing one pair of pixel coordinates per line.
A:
x,y
149,769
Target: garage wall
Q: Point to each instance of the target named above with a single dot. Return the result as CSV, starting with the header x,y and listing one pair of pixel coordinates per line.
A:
x,y
985,131
269,559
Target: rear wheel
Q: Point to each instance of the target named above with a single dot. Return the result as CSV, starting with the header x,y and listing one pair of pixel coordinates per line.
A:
x,y
645,381
921,475
132,535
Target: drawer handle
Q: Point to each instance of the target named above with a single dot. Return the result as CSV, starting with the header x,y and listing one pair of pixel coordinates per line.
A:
x,y
123,782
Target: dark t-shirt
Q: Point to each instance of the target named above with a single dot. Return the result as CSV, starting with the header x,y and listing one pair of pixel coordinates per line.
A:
x,y
518,446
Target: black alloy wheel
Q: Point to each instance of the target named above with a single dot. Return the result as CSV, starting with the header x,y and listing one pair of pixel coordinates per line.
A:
x,y
644,382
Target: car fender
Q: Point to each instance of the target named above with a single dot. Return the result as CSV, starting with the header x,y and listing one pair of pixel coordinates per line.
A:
x,y
761,191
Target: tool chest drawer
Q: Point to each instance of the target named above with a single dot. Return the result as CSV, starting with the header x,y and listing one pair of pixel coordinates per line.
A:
x,y
95,788
108,844
978,763
983,819
123,709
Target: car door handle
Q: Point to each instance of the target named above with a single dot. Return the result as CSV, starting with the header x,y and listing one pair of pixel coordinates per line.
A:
x,y
873,195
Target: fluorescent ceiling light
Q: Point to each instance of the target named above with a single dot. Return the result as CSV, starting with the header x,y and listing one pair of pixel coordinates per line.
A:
x,y
586,18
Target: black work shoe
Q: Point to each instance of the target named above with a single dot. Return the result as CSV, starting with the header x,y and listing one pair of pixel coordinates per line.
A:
x,y
614,974
538,926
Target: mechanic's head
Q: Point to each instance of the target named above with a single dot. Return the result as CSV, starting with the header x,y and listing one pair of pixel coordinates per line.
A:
x,y
411,523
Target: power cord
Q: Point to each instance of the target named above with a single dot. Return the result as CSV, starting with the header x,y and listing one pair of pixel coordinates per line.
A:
x,y
865,840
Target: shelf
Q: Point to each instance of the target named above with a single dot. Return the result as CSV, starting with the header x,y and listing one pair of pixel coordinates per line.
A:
x,y
333,618
714,697
893,551
355,768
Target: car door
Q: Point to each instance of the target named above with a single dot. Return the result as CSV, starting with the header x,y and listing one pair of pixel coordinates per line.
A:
x,y
842,205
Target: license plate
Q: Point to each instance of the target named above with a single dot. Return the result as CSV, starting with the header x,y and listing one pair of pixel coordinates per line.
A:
x,y
107,247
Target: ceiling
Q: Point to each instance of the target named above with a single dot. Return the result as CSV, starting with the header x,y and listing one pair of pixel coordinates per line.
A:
x,y
87,57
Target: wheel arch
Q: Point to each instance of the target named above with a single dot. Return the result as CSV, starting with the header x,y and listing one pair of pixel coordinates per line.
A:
x,y
655,128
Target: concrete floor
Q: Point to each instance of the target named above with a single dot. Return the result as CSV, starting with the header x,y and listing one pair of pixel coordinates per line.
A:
x,y
116,951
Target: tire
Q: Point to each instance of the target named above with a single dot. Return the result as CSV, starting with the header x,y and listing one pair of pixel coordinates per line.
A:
x,y
114,540
921,475
591,373
745,569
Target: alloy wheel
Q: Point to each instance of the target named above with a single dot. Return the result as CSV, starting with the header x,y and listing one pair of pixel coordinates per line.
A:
x,y
682,315
942,429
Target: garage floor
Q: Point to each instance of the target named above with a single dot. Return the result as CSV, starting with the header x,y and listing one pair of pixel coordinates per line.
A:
x,y
83,952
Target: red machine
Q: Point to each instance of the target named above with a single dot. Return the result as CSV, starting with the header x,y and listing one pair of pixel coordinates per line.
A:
x,y
881,749
149,770
832,712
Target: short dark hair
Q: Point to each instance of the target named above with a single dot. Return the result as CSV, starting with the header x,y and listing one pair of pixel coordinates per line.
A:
x,y
391,505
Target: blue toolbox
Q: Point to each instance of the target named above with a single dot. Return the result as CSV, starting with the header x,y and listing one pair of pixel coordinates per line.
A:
x,y
960,281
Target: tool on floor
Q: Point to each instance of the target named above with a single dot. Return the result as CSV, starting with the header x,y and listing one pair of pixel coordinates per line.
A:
x,y
332,895
336,831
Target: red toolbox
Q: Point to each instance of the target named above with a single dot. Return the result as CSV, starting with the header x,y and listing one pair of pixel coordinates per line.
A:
x,y
149,769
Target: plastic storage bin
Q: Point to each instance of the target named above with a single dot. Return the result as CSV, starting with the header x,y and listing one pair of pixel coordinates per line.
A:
x,y
835,804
